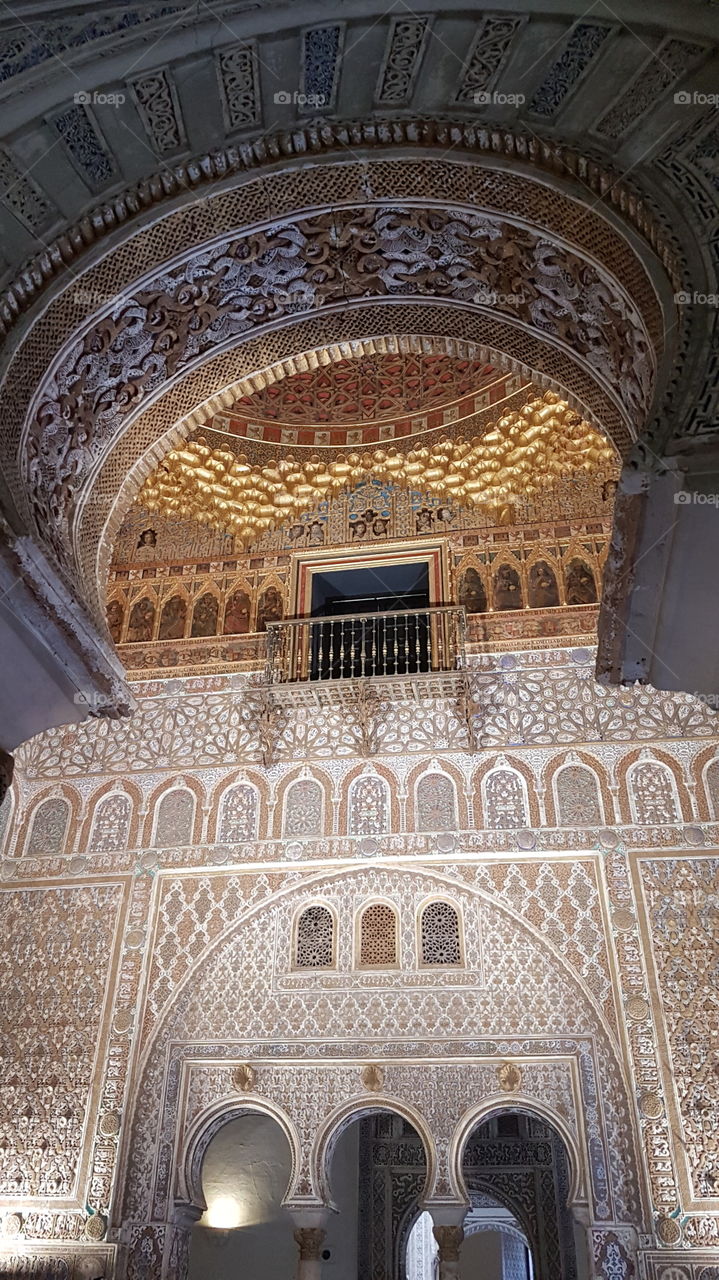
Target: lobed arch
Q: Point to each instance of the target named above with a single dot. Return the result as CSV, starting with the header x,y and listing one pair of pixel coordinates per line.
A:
x,y
513,196
358,1109
501,1104
390,780
59,791
198,1138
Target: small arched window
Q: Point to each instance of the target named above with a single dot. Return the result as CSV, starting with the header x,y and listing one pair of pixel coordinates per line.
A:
x,y
111,823
436,803
368,806
238,814
48,832
439,929
303,808
378,937
314,947
175,818
504,798
651,788
578,802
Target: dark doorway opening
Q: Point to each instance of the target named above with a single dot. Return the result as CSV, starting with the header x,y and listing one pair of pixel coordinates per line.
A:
x,y
375,622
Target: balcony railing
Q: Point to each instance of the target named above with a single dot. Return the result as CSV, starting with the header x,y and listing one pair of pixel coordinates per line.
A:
x,y
366,644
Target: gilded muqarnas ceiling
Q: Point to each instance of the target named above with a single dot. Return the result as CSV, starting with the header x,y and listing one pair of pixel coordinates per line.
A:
x,y
521,453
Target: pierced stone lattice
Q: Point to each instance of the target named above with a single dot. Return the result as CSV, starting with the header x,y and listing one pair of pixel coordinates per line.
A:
x,y
578,801
368,807
315,938
440,934
436,803
111,824
49,828
303,809
505,801
652,792
378,936
238,819
175,818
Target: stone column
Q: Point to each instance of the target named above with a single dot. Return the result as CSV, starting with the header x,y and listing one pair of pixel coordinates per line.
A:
x,y
310,1221
449,1239
309,1242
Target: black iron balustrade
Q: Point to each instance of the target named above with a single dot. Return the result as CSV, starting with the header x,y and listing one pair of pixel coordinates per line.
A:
x,y
366,644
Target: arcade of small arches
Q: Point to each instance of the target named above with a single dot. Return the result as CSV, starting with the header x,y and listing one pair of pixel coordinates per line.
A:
x,y
373,1161
651,788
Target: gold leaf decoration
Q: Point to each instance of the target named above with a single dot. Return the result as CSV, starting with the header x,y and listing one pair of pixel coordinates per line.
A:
x,y
522,453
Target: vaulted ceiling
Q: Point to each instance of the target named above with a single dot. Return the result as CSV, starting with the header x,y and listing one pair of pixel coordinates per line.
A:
x,y
198,200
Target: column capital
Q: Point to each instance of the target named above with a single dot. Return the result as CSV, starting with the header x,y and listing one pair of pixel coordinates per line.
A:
x,y
449,1239
309,1242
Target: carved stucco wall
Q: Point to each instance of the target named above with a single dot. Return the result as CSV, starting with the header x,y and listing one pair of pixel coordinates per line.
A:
x,y
586,958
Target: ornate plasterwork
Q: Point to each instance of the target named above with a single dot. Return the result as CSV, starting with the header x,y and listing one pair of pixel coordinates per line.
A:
x,y
406,40
160,110
584,43
172,322
487,56
600,381
666,66
22,194
311,140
